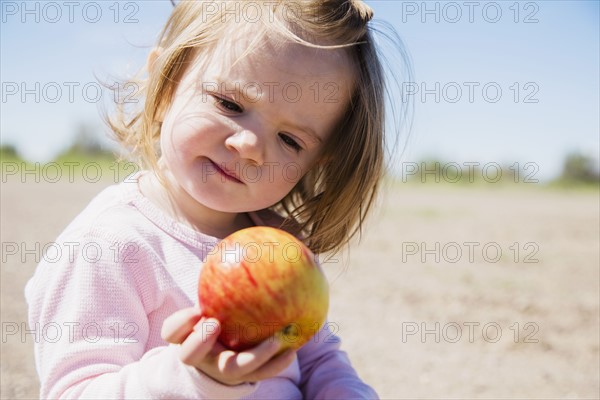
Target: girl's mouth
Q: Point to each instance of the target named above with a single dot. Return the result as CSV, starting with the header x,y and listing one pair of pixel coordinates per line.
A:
x,y
224,173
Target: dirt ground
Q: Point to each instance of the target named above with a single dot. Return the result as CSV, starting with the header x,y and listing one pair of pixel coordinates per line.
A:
x,y
454,292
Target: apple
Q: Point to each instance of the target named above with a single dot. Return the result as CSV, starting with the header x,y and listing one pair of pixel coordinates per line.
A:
x,y
262,283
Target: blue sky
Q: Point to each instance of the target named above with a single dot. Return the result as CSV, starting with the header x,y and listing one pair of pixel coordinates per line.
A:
x,y
515,81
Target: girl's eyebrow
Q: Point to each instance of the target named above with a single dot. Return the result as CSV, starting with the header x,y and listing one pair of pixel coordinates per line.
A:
x,y
236,89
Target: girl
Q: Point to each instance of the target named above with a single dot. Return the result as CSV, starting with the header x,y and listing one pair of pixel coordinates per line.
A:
x,y
254,113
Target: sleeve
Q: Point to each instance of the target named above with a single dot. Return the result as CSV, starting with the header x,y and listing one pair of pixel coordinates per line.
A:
x,y
326,370
91,313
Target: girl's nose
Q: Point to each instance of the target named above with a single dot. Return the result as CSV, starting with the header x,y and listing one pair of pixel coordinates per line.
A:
x,y
247,144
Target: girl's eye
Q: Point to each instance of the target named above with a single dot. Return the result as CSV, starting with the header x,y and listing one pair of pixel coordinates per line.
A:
x,y
291,143
227,105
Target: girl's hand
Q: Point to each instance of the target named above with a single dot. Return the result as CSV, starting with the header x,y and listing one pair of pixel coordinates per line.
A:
x,y
198,335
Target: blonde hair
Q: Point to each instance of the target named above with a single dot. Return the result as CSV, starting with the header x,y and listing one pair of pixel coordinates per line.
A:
x,y
330,203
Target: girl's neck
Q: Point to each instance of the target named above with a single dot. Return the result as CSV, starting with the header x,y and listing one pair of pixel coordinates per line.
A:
x,y
178,204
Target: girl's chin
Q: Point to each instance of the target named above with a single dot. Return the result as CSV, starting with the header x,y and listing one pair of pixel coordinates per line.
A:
x,y
222,201
221,205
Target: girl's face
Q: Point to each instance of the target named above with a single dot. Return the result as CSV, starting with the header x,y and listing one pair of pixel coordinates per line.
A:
x,y
239,137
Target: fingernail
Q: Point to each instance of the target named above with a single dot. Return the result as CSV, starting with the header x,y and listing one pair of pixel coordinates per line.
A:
x,y
198,326
207,326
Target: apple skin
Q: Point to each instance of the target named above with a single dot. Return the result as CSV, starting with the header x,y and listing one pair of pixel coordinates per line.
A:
x,y
261,283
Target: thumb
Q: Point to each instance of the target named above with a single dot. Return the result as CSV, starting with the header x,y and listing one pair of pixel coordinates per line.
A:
x,y
177,327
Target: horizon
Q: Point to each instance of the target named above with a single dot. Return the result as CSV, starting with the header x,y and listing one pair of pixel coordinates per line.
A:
x,y
493,82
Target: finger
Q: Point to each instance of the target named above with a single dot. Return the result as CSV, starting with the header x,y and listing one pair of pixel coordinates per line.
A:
x,y
179,325
200,342
247,361
272,367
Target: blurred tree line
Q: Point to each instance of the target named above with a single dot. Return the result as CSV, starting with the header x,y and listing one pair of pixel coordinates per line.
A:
x,y
578,169
87,144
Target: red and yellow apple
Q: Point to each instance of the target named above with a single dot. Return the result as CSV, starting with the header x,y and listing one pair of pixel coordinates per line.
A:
x,y
263,283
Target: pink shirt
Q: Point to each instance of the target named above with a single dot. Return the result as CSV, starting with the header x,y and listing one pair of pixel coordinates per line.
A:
x,y
97,305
